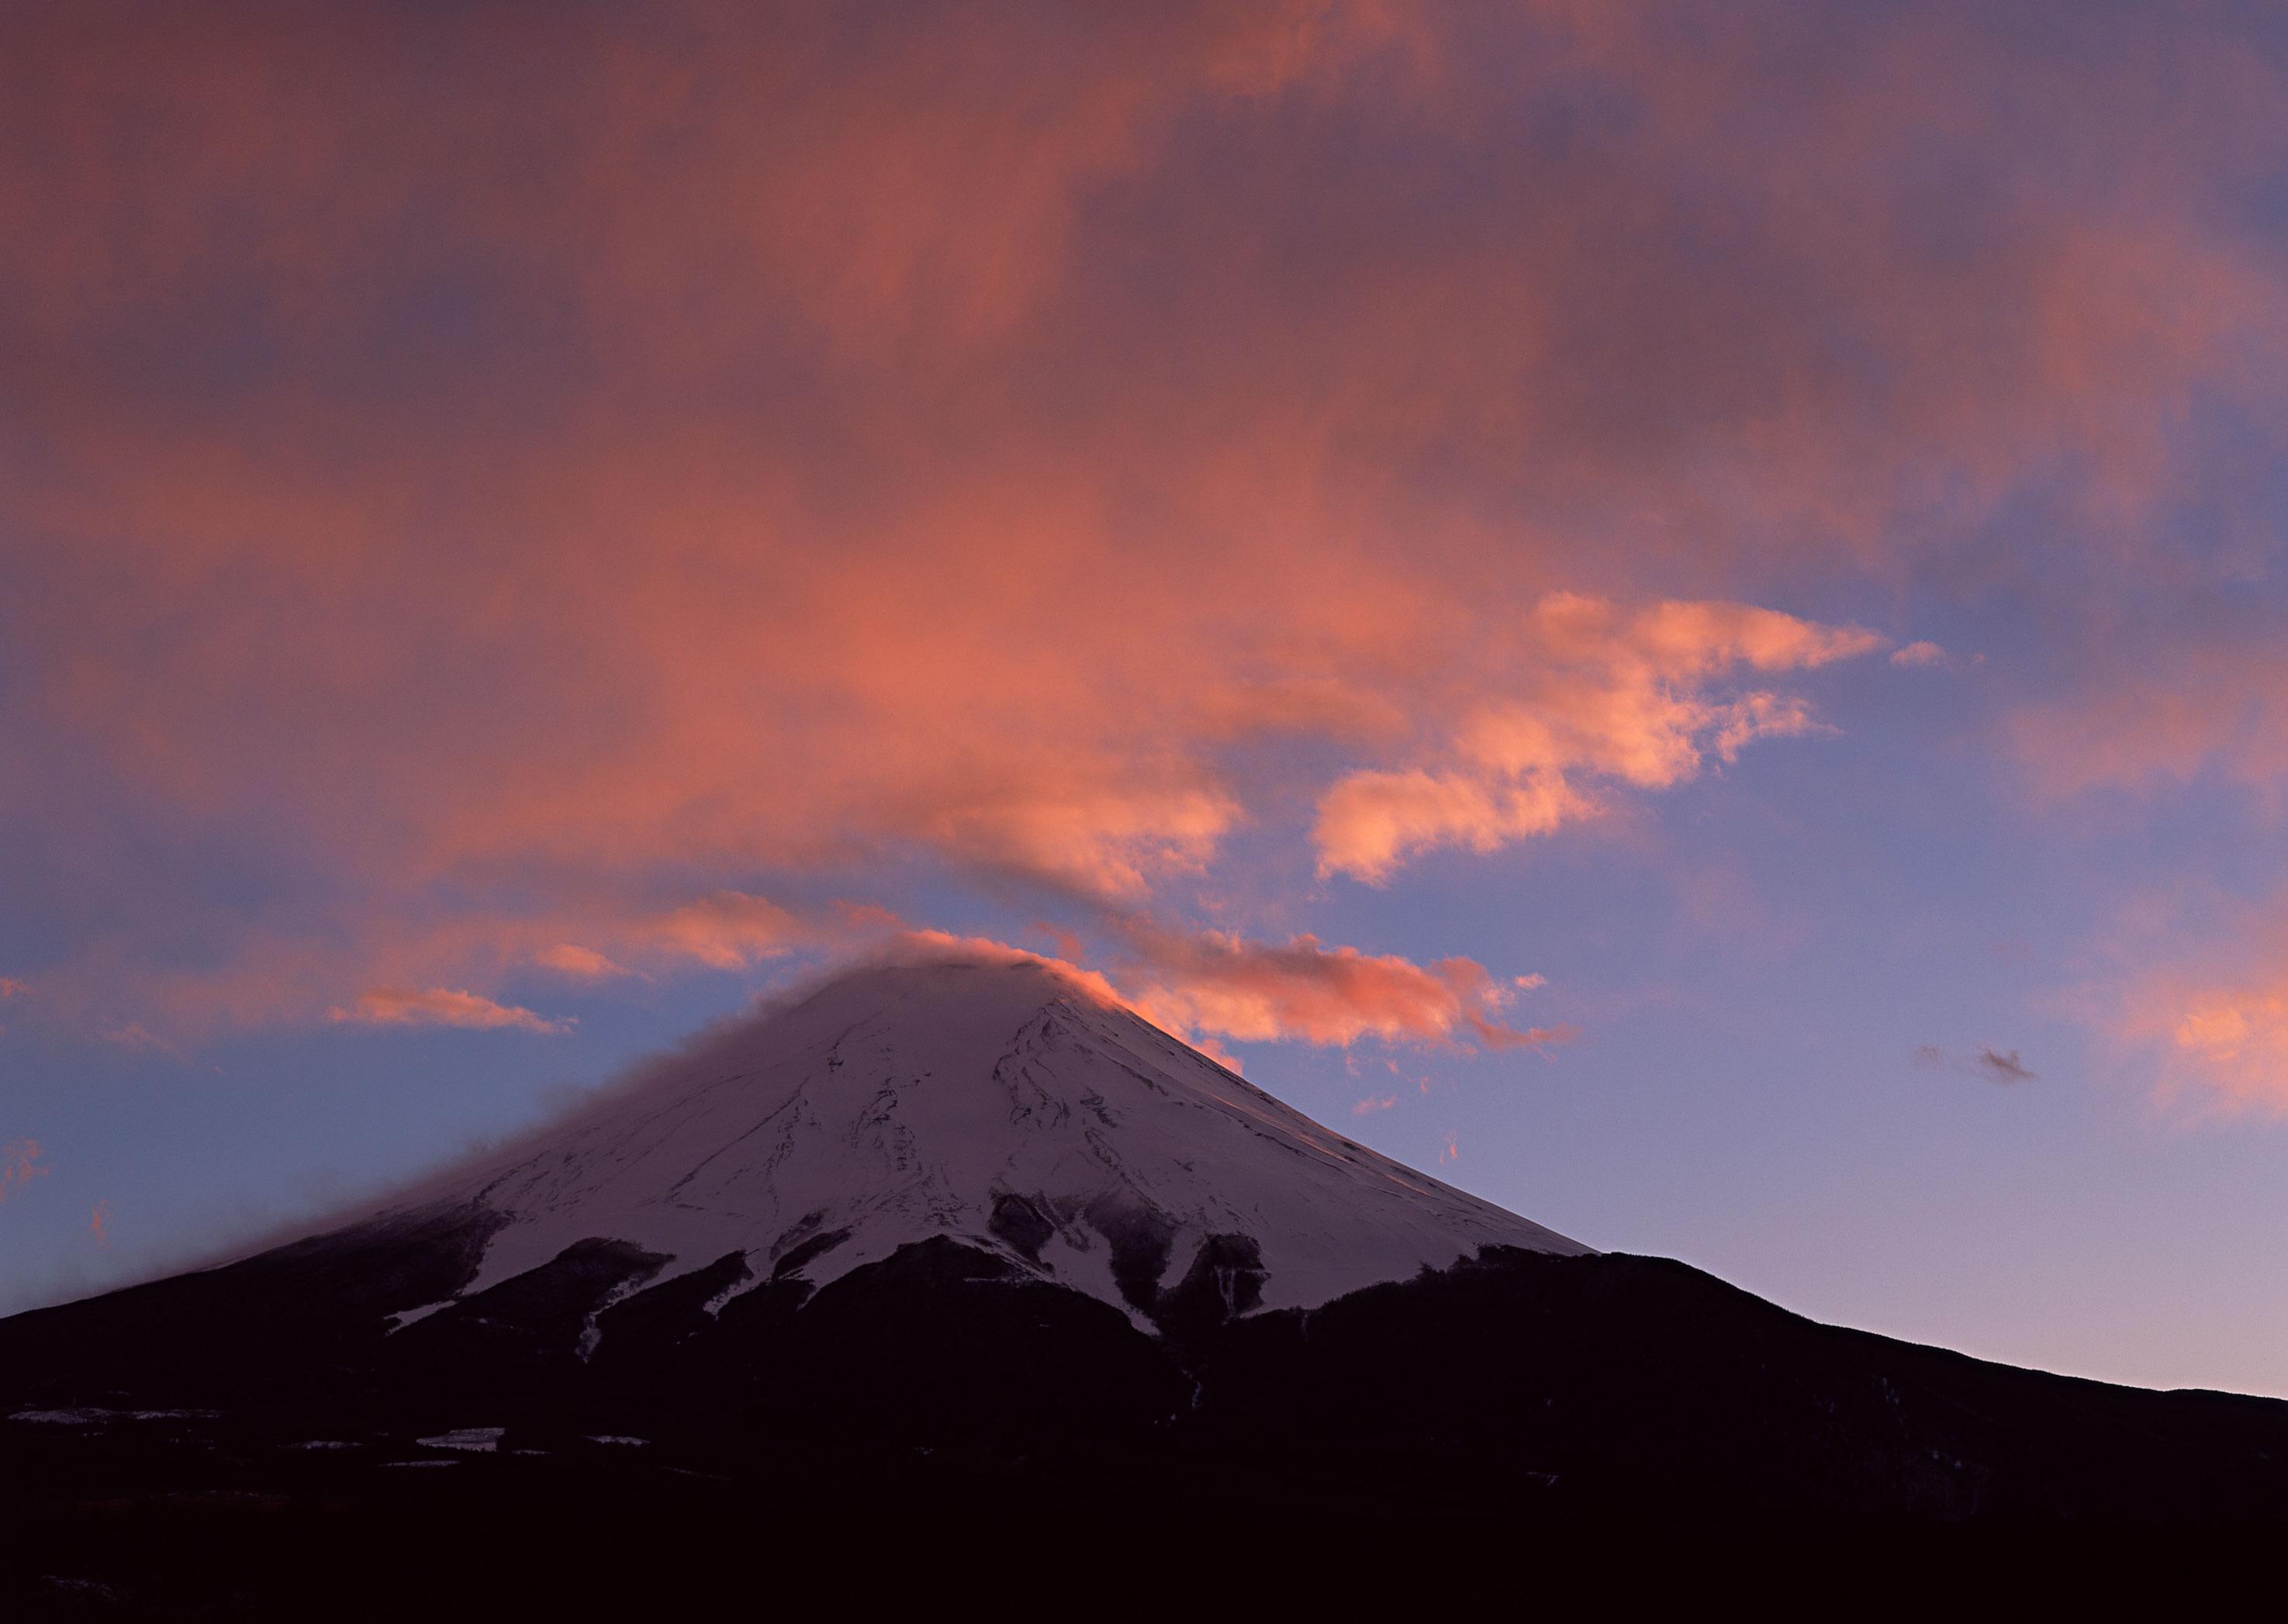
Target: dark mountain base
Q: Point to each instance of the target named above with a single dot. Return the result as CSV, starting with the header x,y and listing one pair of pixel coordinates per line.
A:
x,y
959,1419
515,1540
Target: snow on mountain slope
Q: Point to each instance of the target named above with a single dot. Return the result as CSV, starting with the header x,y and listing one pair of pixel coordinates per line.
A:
x,y
1002,1105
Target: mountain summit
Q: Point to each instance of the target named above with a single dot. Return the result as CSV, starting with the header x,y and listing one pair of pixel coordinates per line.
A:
x,y
1004,1105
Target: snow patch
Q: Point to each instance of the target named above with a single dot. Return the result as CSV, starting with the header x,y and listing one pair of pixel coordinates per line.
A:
x,y
91,1416
415,1316
474,1440
591,1332
713,1307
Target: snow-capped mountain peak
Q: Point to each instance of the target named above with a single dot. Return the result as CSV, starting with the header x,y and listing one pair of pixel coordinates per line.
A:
x,y
1004,1105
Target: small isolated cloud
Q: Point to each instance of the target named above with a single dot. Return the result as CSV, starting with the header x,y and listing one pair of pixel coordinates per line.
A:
x,y
1528,983
1374,1102
728,931
134,1035
2003,1066
98,1223
1448,1152
1252,990
1918,654
19,1165
582,963
1994,1065
442,1007
9,987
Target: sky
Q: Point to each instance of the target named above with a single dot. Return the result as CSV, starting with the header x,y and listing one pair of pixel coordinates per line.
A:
x,y
1672,611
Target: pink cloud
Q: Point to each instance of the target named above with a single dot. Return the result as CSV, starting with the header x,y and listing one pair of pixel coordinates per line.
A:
x,y
582,963
1599,694
1300,990
2200,984
135,1034
967,443
927,944
441,1007
20,1164
2221,1032
2235,1040
1205,985
727,931
1370,1106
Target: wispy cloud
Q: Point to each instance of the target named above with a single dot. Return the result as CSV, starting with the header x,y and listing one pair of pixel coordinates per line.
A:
x,y
1602,696
1250,991
2232,1040
20,1163
583,963
2001,1065
441,1007
727,931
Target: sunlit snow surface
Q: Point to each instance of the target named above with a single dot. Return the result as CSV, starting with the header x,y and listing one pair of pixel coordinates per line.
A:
x,y
901,1102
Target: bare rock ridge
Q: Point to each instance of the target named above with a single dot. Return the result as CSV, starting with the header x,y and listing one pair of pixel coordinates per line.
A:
x,y
1003,1106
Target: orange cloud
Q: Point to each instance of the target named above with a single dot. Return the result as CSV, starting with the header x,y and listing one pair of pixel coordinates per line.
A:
x,y
98,1223
583,963
1208,984
441,1007
1374,1102
928,944
1603,694
1372,821
20,1164
1252,992
739,447
727,931
9,987
2201,984
2226,1043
